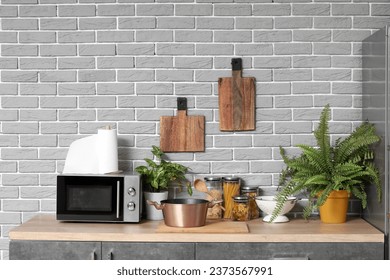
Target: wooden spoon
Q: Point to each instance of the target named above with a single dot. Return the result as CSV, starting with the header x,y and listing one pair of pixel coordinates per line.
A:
x,y
200,186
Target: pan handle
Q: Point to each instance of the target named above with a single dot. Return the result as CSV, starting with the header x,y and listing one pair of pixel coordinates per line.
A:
x,y
156,204
214,202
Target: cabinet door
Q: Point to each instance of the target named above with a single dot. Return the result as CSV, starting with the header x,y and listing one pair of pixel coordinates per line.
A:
x,y
54,250
147,251
308,251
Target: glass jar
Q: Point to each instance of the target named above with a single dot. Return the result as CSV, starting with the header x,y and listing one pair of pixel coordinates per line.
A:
x,y
241,211
231,187
214,187
251,192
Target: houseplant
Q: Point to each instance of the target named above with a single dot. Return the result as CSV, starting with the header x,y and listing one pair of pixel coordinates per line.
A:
x,y
325,170
157,176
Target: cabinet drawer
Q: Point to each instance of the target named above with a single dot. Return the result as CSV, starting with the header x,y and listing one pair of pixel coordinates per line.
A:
x,y
310,251
54,250
148,251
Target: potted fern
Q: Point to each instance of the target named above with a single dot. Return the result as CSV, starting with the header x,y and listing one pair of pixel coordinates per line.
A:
x,y
327,173
157,176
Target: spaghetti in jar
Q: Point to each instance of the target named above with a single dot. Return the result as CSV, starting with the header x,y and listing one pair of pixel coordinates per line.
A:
x,y
231,188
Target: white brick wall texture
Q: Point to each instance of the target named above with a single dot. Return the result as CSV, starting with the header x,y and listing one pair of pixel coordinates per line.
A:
x,y
68,68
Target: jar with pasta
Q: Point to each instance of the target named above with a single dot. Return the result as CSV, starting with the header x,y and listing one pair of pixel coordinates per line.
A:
x,y
231,188
240,210
251,192
214,187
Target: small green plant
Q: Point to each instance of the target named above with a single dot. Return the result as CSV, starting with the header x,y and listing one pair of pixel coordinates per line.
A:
x,y
348,165
159,174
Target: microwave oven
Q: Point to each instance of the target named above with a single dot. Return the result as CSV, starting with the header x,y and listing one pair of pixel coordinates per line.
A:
x,y
115,197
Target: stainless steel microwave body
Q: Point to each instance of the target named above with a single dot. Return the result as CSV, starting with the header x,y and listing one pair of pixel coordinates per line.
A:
x,y
99,198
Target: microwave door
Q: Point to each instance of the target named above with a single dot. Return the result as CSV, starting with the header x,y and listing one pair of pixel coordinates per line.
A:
x,y
89,199
82,198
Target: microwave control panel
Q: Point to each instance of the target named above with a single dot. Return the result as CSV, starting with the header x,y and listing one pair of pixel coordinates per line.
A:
x,y
132,208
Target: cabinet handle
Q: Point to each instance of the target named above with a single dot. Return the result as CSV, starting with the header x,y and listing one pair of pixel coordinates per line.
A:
x,y
118,188
93,256
281,257
109,256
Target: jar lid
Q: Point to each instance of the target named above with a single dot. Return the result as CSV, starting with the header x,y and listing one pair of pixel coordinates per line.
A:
x,y
249,188
231,179
212,178
240,198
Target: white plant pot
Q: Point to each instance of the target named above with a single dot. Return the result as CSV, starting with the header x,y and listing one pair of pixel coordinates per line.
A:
x,y
151,212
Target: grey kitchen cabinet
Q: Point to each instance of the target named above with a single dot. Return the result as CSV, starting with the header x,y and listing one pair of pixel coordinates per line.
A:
x,y
296,250
54,250
147,251
48,250
65,250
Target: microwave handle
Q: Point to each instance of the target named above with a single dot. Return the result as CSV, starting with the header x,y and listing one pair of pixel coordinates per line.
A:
x,y
118,187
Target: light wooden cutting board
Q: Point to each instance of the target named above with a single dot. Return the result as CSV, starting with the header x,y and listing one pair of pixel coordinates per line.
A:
x,y
210,227
182,133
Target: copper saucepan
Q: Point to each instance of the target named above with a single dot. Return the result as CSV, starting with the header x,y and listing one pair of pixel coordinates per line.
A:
x,y
184,212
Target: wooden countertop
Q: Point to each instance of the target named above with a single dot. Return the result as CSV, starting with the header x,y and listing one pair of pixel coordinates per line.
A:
x,y
45,227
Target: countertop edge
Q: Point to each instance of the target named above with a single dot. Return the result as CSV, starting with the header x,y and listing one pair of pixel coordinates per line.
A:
x,y
202,238
45,228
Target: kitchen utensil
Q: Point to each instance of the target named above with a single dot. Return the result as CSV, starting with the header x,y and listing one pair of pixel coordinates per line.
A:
x,y
214,212
200,185
267,204
236,100
184,212
214,187
182,133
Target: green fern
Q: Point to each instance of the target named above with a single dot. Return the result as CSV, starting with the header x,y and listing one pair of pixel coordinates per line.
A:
x,y
348,165
323,139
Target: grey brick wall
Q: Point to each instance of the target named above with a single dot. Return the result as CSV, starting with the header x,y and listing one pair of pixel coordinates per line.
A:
x,y
67,69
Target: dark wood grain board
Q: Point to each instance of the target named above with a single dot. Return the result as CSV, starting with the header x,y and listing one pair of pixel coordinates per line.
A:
x,y
236,102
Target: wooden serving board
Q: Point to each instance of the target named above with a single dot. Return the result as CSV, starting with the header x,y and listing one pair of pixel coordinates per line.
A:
x,y
210,227
236,100
182,133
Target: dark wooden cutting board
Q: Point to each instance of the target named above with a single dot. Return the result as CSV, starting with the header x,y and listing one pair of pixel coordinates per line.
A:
x,y
182,133
236,100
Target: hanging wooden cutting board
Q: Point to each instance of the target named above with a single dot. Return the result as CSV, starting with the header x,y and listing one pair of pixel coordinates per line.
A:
x,y
182,133
236,100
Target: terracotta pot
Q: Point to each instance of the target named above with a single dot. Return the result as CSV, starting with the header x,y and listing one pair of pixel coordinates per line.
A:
x,y
334,210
